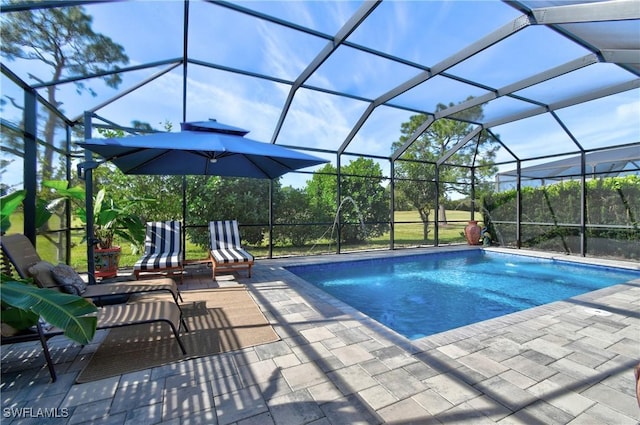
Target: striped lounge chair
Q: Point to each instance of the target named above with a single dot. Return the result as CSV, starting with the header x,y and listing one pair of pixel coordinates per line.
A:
x,y
226,253
162,248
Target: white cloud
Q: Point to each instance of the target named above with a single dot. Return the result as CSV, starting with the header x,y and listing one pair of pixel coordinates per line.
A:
x,y
322,120
628,113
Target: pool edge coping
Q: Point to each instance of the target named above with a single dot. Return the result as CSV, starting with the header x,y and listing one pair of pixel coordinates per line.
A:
x,y
456,334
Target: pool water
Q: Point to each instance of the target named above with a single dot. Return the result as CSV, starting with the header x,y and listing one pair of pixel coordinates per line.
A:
x,y
422,295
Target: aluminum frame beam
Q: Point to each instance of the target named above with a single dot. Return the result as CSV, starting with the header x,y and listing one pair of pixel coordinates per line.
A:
x,y
30,165
264,16
620,56
618,88
620,10
129,90
504,146
425,125
541,77
47,4
504,91
473,133
282,81
111,124
485,42
26,87
558,27
105,73
567,131
575,100
342,34
185,68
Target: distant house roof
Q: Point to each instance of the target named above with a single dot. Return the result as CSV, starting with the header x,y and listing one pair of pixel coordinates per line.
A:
x,y
616,160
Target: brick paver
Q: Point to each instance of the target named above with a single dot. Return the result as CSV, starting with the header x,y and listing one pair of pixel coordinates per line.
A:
x,y
568,362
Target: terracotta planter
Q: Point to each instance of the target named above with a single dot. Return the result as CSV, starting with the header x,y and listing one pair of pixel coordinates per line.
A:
x,y
107,261
472,233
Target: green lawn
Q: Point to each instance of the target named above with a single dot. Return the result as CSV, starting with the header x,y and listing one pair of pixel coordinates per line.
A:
x,y
408,232
412,233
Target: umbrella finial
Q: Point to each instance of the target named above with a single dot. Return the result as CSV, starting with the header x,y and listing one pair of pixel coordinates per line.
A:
x,y
212,126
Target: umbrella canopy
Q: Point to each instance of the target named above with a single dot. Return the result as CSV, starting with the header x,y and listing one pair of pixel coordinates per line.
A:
x,y
201,148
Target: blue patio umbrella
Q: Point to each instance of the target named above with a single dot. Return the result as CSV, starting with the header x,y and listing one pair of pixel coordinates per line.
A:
x,y
201,148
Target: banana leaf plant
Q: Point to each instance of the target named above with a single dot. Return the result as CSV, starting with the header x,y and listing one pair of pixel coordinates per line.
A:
x,y
8,204
63,192
44,208
23,304
111,219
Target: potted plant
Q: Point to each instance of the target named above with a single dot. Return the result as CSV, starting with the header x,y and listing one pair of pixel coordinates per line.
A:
x,y
111,220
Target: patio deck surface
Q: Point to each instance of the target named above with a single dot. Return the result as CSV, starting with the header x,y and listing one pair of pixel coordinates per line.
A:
x,y
569,362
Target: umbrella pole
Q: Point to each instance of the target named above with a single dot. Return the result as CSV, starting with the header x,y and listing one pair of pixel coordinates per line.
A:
x,y
271,193
183,236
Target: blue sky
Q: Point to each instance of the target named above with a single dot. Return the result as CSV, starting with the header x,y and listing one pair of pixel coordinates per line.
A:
x,y
424,32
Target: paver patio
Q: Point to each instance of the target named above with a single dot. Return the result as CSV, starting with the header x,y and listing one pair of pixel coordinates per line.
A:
x,y
569,362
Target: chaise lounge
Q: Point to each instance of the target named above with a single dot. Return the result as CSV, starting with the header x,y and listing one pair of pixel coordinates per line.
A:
x,y
226,253
111,316
162,249
28,264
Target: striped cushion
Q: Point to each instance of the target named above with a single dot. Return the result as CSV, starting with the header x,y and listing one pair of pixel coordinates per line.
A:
x,y
158,261
162,246
231,255
224,234
225,242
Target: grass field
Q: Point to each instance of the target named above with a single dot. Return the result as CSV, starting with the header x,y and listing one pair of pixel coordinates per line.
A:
x,y
408,232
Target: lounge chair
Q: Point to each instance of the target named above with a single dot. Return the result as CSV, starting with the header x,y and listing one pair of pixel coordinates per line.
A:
x,y
112,316
27,263
37,334
162,249
226,252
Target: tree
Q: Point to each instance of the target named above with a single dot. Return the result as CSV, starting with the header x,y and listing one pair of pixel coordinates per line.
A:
x,y
322,192
218,198
362,183
62,40
364,204
291,210
416,170
4,188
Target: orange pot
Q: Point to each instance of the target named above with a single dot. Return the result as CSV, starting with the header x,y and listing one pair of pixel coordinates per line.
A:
x,y
472,233
107,261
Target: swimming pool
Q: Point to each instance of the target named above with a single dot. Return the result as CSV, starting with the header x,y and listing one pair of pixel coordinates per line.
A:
x,y
421,295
